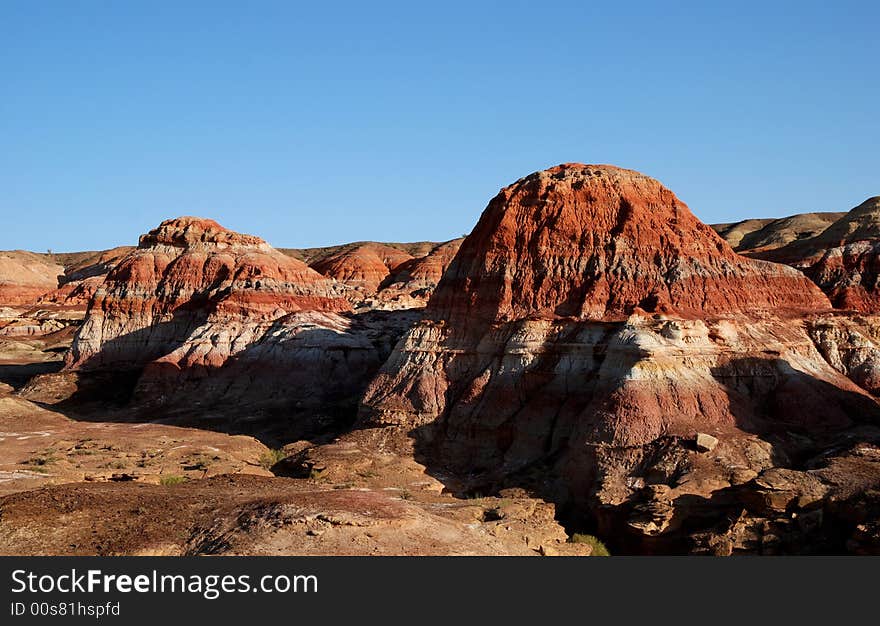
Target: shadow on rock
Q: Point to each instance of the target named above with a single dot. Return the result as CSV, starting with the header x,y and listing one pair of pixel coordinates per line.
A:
x,y
289,384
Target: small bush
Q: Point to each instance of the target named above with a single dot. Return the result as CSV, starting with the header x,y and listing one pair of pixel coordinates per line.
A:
x,y
599,548
172,480
40,461
269,459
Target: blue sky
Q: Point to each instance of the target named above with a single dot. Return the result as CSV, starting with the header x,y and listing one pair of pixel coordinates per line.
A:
x,y
318,123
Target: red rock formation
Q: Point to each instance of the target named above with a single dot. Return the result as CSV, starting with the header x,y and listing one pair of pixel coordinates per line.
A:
x,y
223,322
25,276
79,266
844,259
411,284
587,330
385,277
596,242
72,295
44,310
362,266
187,272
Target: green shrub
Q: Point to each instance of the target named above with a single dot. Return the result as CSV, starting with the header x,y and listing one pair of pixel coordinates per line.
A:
x,y
47,457
269,459
172,479
599,548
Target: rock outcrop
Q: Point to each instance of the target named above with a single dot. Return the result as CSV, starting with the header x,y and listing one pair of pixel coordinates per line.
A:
x,y
844,259
84,272
74,295
362,266
25,276
733,232
79,266
389,277
223,329
43,294
413,282
251,515
186,273
597,242
587,331
760,235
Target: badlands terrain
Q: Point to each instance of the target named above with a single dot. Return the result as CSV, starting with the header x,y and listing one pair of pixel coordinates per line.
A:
x,y
590,365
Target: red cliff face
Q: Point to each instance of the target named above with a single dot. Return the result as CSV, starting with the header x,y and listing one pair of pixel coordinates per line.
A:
x,y
597,242
587,330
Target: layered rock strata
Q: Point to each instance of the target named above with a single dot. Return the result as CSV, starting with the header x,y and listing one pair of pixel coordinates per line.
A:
x,y
586,334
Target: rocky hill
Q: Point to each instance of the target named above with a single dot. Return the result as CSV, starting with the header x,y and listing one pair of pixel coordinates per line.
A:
x,y
25,276
753,235
843,259
594,342
221,320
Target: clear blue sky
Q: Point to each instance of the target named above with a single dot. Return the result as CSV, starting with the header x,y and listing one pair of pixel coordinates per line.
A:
x,y
322,122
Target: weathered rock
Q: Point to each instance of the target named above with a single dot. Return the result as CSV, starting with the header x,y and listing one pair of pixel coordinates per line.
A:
x,y
80,266
383,277
705,442
241,515
850,344
25,276
599,242
362,266
186,273
760,235
413,282
225,328
588,326
844,259
75,294
311,362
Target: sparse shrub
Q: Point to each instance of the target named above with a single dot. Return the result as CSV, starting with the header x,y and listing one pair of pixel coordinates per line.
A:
x,y
172,479
599,548
41,461
271,458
